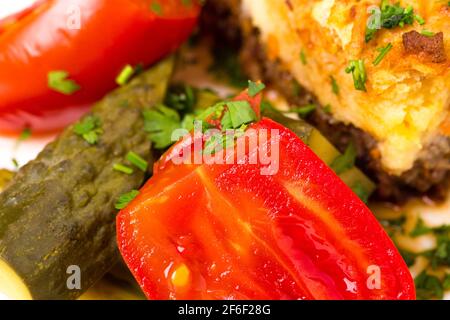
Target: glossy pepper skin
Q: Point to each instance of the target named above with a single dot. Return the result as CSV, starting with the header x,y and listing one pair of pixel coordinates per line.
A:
x,y
111,35
226,231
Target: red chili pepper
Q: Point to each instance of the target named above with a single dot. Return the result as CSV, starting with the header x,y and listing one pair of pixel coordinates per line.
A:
x,y
227,231
111,35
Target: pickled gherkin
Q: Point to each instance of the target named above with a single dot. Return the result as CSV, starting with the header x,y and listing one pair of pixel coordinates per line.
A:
x,y
57,216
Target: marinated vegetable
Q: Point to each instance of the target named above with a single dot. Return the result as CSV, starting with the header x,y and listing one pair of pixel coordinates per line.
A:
x,y
59,210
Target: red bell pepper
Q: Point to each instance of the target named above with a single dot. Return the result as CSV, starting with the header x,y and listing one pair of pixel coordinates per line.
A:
x,y
111,35
226,231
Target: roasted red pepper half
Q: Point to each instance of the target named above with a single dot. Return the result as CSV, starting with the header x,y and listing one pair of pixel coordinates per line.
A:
x,y
239,231
92,41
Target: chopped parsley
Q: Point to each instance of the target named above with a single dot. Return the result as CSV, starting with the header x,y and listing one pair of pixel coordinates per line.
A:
x,y
125,75
89,129
420,229
427,33
391,16
125,199
59,81
383,52
360,190
327,108
238,113
121,168
25,134
345,161
358,70
15,163
181,98
254,88
428,287
156,8
226,66
160,122
304,111
137,161
334,86
303,58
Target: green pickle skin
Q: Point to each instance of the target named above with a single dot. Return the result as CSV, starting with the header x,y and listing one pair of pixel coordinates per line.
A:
x,y
59,209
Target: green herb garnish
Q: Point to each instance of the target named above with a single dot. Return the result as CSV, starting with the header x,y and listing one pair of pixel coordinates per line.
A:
x,y
303,58
156,8
383,52
420,229
237,114
121,168
304,111
391,16
427,33
345,161
358,70
428,287
160,122
334,86
89,129
255,87
125,199
137,161
25,134
125,75
360,190
59,81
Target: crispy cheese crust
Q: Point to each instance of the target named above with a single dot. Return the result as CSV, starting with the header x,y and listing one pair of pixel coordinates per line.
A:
x,y
406,105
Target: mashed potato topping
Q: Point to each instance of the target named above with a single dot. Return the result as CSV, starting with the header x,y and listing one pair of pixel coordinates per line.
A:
x,y
408,95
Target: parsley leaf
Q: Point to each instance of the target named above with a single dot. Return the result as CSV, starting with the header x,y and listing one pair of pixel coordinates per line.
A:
x,y
391,16
345,161
428,286
255,87
360,190
304,111
420,229
334,86
125,199
161,122
89,128
237,114
59,81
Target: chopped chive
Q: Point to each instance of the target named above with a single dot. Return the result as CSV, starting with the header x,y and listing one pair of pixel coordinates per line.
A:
x,y
255,87
305,110
125,75
121,168
303,58
156,8
383,52
334,86
59,81
345,161
361,191
137,161
427,33
358,70
419,19
327,108
15,162
125,199
25,134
